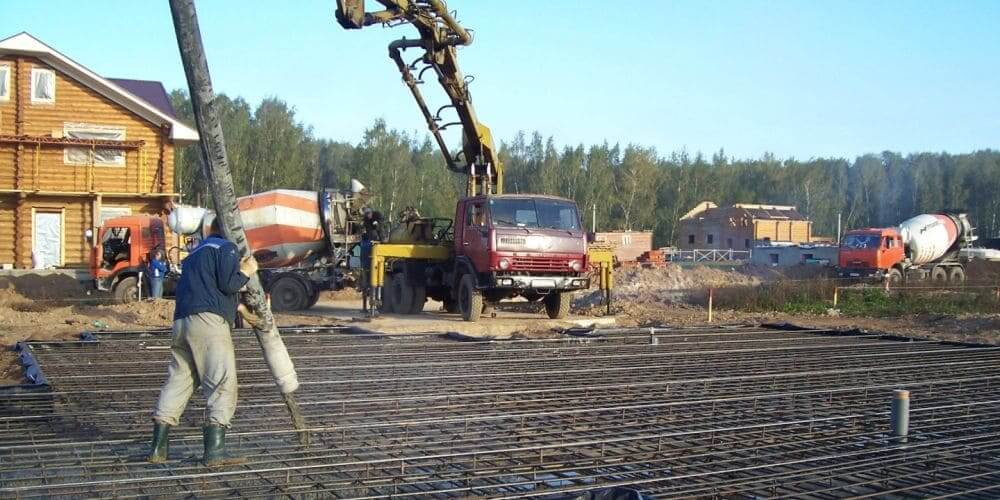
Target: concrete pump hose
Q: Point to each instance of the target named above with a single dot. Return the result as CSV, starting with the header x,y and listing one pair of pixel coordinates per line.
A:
x,y
278,361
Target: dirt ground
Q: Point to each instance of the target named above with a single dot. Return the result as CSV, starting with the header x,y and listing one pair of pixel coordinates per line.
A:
x,y
57,307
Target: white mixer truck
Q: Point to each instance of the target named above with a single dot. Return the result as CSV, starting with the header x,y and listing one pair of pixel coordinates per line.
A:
x,y
927,246
301,239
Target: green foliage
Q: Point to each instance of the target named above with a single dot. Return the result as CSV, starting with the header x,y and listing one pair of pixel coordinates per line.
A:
x,y
630,187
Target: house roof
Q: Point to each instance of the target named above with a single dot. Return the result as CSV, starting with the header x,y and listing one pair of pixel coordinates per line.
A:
x,y
707,209
149,91
24,43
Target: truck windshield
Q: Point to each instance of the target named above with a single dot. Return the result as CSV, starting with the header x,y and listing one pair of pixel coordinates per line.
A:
x,y
861,241
534,212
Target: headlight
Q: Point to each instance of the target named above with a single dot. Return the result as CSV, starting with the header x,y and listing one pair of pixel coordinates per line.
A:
x,y
575,265
504,264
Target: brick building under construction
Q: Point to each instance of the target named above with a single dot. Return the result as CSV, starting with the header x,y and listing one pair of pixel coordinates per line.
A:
x,y
741,226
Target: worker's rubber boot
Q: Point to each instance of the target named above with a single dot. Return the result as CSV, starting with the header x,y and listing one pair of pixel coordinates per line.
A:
x,y
158,451
215,447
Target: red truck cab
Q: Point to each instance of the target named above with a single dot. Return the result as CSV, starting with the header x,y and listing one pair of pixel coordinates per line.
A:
x,y
121,251
530,245
872,253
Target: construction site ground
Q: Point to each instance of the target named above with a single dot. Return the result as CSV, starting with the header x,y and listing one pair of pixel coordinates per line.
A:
x,y
54,307
655,400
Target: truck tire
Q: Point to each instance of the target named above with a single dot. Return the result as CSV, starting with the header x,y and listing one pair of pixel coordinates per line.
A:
x,y
126,290
402,298
939,275
388,304
557,305
956,276
415,296
313,299
288,294
470,299
894,277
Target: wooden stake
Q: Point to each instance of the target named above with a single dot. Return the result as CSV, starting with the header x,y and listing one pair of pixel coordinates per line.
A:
x,y
711,294
835,290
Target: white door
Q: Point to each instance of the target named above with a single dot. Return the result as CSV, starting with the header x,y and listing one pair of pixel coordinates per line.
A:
x,y
46,248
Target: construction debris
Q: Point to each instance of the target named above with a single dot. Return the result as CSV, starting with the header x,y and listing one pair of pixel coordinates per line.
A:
x,y
711,411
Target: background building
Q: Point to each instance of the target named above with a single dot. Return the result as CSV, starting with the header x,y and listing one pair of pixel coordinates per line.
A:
x,y
628,245
741,226
76,148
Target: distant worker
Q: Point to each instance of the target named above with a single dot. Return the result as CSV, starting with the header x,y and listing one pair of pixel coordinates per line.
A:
x,y
157,271
372,225
202,345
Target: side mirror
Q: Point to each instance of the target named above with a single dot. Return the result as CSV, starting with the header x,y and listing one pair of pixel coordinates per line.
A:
x,y
591,237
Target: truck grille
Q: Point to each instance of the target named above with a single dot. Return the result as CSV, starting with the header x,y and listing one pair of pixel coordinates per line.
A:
x,y
544,264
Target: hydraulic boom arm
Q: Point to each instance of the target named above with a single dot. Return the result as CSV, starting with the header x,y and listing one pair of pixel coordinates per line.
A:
x,y
440,34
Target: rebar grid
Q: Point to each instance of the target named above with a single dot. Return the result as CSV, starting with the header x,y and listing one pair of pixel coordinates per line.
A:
x,y
702,412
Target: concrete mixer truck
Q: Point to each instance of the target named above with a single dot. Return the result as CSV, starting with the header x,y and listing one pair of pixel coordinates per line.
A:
x,y
923,247
301,239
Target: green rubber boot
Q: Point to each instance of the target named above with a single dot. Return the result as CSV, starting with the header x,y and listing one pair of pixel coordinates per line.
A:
x,y
215,447
158,451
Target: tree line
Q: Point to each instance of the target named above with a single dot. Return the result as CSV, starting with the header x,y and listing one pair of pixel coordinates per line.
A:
x,y
626,187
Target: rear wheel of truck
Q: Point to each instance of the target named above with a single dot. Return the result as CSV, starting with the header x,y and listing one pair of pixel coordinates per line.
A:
x,y
557,305
127,290
939,276
956,276
402,297
288,294
895,277
313,299
415,297
388,303
470,299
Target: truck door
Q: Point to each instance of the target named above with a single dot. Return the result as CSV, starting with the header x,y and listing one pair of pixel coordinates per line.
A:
x,y
475,234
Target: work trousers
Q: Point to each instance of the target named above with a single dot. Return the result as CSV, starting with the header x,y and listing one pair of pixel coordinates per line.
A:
x,y
202,353
156,288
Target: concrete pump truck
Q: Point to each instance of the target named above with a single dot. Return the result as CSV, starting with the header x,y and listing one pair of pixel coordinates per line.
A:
x,y
499,246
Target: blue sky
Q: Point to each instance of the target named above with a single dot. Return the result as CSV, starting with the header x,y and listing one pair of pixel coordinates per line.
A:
x,y
796,78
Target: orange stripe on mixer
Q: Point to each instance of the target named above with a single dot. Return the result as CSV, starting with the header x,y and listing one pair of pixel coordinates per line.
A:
x,y
276,198
276,235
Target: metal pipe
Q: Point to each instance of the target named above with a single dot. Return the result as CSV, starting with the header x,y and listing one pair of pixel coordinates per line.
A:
x,y
900,415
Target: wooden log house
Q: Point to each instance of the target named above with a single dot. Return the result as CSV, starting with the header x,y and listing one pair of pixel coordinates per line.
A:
x,y
76,148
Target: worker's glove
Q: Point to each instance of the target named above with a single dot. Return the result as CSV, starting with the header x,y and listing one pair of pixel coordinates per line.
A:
x,y
248,266
248,317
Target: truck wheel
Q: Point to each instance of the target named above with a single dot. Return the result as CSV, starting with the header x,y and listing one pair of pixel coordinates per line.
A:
x,y
388,304
313,299
939,276
895,277
470,299
415,296
956,276
402,298
127,290
288,294
557,305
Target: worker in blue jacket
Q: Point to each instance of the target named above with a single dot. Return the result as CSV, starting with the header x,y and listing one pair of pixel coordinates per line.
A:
x,y
202,345
157,272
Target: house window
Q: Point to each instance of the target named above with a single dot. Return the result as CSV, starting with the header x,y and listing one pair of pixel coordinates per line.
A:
x,y
746,243
774,258
43,86
690,239
729,242
109,212
709,238
81,155
4,82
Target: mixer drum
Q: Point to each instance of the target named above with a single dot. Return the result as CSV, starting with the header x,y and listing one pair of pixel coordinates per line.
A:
x,y
283,226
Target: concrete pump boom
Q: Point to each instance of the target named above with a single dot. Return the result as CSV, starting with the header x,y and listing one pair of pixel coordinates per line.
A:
x,y
440,34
